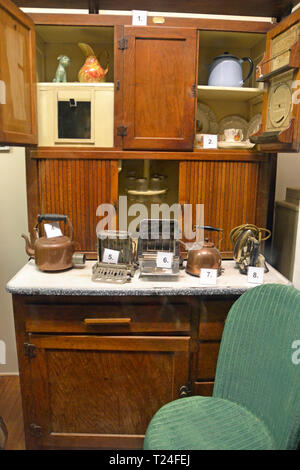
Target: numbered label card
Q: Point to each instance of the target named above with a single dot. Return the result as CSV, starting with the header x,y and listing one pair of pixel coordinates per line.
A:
x,y
208,276
210,141
110,256
52,230
139,18
164,260
256,275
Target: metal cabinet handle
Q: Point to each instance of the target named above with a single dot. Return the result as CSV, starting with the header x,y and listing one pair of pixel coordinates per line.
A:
x,y
107,321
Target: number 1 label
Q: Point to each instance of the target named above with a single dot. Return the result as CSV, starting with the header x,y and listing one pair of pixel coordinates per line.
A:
x,y
139,18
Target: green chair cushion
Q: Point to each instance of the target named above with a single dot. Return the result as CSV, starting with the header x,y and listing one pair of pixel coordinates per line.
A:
x,y
206,423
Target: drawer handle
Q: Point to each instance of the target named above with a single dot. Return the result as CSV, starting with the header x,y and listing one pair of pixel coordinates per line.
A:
x,y
107,321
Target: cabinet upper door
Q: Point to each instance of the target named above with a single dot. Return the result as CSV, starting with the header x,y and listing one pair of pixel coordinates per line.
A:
x,y
159,88
17,76
280,71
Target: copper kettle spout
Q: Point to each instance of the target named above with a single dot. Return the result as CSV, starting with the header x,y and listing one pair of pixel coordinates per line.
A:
x,y
29,249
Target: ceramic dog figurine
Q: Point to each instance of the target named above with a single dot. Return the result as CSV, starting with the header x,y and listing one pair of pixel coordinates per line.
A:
x,y
61,74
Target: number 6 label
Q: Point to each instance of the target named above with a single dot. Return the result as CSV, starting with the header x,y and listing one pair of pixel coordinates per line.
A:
x,y
164,260
208,276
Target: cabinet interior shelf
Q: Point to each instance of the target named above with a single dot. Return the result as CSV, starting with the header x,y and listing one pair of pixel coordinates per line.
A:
x,y
80,84
228,93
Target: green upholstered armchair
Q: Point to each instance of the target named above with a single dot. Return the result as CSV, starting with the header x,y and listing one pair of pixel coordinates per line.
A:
x,y
256,397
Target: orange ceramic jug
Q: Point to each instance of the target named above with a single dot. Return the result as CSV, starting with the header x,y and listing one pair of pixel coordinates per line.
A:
x,y
91,71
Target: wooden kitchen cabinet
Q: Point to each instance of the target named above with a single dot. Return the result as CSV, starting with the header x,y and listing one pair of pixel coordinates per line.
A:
x,y
93,385
158,74
97,385
17,77
94,370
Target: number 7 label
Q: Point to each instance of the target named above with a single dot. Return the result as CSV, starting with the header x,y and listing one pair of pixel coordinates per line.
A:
x,y
208,276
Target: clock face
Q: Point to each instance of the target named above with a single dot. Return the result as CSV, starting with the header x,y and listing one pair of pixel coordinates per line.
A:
x,y
280,105
280,102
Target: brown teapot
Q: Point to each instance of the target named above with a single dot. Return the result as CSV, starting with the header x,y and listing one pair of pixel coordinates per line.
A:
x,y
52,254
206,257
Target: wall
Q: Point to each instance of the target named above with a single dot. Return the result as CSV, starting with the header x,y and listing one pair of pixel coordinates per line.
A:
x,y
288,175
13,216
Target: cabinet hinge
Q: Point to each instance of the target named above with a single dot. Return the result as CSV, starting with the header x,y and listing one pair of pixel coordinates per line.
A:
x,y
184,391
122,44
29,350
35,430
194,90
122,131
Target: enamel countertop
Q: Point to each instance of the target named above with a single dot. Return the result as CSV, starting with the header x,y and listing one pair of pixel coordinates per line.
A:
x,y
30,281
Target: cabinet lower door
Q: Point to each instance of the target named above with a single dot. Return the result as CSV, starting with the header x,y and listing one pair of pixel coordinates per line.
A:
x,y
102,391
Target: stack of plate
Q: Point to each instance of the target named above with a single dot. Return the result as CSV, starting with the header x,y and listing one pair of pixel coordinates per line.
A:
x,y
207,124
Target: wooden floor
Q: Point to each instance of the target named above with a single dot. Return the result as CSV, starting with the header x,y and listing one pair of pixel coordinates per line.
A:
x,y
11,411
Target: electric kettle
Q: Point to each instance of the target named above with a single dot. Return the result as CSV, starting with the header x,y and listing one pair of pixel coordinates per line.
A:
x,y
207,256
226,70
56,253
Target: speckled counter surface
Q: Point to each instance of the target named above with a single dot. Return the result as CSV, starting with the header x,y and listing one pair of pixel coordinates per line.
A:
x,y
30,281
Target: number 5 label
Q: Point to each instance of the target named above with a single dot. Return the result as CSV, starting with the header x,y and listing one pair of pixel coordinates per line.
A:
x,y
208,276
110,256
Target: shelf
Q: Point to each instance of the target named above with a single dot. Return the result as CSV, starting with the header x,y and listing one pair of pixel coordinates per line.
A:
x,y
149,192
77,84
228,93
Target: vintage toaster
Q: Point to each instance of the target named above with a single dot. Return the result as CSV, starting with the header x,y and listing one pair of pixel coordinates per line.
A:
x,y
116,257
158,242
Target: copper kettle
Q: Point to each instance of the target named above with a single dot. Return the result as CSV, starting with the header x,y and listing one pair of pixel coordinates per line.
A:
x,y
52,254
207,256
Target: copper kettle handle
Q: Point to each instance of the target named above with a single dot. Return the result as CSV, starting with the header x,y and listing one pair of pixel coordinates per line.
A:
x,y
212,229
57,218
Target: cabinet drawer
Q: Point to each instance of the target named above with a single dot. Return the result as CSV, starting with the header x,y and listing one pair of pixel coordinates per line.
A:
x,y
108,318
205,389
212,318
207,360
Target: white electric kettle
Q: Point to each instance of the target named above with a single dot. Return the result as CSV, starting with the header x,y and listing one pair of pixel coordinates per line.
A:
x,y
226,70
